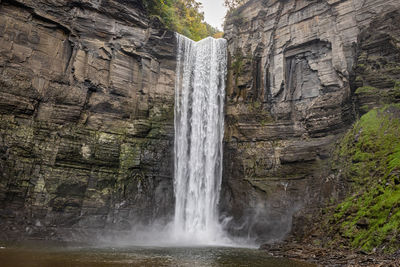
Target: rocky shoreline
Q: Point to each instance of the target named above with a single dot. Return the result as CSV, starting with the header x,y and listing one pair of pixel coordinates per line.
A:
x,y
327,256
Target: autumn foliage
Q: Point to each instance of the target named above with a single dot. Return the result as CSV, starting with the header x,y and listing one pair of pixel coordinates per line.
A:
x,y
183,16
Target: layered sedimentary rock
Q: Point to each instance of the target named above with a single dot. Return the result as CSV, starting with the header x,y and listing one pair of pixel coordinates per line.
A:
x,y
376,80
86,124
87,107
294,70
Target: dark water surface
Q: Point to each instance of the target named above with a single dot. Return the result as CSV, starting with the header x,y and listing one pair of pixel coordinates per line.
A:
x,y
67,256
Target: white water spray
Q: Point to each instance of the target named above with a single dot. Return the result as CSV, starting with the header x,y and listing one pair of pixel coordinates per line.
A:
x,y
199,129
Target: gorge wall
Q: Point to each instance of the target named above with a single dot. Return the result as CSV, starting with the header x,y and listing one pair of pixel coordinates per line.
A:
x,y
86,124
87,111
294,70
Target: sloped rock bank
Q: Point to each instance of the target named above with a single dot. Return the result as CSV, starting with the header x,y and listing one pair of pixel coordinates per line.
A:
x,y
86,117
328,257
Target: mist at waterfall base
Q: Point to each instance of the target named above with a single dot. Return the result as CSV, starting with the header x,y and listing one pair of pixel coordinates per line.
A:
x,y
199,128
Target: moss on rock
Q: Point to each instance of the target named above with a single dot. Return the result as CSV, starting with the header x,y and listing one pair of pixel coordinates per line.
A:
x,y
367,90
370,156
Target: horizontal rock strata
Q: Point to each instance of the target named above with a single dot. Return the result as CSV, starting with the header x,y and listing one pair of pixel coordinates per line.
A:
x,y
294,69
86,117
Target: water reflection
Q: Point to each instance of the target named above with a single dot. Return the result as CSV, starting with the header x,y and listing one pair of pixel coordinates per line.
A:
x,y
66,256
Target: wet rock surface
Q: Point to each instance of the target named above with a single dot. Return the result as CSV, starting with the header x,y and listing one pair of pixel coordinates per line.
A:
x,y
86,118
328,257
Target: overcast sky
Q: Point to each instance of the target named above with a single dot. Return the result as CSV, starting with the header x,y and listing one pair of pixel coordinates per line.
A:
x,y
214,12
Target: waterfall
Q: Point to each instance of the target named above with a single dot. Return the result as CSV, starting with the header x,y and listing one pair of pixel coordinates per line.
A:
x,y
199,128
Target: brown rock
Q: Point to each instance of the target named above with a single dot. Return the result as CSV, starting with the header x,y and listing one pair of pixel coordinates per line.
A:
x,y
86,131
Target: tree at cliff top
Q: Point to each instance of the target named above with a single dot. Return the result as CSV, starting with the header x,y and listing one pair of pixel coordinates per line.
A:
x,y
183,16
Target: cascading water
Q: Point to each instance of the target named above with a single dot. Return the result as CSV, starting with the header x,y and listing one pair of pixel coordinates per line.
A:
x,y
199,129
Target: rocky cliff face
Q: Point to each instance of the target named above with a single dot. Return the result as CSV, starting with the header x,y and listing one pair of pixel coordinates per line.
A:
x,y
294,68
86,124
86,111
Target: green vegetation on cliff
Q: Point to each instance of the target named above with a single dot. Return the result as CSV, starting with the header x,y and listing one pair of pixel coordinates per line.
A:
x,y
183,16
369,158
